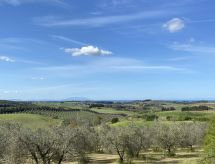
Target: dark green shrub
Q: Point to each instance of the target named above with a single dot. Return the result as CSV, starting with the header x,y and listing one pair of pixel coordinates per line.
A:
x,y
114,120
168,118
150,117
187,118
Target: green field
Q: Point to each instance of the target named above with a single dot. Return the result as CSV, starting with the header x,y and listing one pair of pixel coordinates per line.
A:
x,y
112,111
32,121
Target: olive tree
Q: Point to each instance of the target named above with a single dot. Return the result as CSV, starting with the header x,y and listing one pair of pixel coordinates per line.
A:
x,y
137,140
192,134
114,140
167,137
83,142
11,151
56,144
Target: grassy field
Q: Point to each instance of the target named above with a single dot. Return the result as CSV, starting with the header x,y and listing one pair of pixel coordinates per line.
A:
x,y
194,115
112,111
32,121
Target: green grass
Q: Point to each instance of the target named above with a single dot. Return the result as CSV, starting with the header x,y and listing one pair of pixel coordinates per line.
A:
x,y
182,157
180,116
32,121
125,123
111,111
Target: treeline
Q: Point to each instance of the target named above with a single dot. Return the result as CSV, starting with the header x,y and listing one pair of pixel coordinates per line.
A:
x,y
33,108
195,108
168,108
64,143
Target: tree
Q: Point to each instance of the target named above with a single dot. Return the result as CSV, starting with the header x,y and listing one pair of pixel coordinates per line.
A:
x,y
191,134
83,142
167,137
114,140
12,151
137,140
56,144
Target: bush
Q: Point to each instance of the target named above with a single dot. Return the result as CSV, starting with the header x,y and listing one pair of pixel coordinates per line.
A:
x,y
209,144
168,118
114,120
150,117
96,105
168,109
187,118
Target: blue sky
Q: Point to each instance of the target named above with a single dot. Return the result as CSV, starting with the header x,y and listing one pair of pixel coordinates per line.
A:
x,y
107,49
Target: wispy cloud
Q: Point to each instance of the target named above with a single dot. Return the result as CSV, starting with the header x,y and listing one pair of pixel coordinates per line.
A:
x,y
38,78
6,59
100,21
87,51
19,2
176,59
206,20
10,91
114,3
18,43
193,48
111,65
69,40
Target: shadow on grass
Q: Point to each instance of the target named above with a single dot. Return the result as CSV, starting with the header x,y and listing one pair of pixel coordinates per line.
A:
x,y
102,161
187,156
148,158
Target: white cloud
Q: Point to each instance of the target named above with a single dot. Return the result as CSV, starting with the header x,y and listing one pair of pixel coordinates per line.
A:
x,y
174,25
6,59
87,51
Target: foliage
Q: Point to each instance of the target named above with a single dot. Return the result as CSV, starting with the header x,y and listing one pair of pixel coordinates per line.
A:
x,y
114,120
168,108
195,108
150,117
209,144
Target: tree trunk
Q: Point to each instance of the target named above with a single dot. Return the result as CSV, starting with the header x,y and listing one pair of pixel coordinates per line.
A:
x,y
121,156
61,159
169,151
191,148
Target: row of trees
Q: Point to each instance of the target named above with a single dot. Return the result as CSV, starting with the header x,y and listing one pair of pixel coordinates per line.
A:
x,y
54,145
130,141
57,144
168,108
195,108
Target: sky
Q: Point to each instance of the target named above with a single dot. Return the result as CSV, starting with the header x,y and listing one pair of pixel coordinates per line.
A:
x,y
107,49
